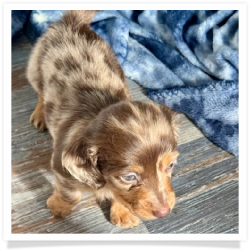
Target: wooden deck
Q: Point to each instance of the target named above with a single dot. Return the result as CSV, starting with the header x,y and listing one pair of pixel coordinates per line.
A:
x,y
205,179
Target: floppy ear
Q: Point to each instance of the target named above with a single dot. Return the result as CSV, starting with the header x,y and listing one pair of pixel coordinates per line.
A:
x,y
80,160
172,117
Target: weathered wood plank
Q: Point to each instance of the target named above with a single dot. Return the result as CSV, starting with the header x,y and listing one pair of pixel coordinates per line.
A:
x,y
28,145
202,165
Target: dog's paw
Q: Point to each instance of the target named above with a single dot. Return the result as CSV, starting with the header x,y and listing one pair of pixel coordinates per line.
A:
x,y
38,120
58,207
121,216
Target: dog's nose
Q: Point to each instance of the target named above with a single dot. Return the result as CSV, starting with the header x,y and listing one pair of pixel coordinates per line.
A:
x,y
162,212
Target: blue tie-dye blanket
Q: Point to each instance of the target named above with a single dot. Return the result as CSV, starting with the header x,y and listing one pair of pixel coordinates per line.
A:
x,y
187,60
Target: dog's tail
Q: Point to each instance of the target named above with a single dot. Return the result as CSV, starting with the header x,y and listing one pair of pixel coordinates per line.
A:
x,y
78,18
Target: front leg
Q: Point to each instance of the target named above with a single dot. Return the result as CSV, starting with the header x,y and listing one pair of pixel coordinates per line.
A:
x,y
121,216
64,198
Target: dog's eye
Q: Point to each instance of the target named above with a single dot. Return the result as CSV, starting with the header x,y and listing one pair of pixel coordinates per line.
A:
x,y
129,178
170,166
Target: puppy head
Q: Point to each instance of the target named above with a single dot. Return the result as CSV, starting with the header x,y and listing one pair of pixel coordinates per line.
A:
x,y
131,148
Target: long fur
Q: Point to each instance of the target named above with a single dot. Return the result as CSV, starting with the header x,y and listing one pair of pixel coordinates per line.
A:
x,y
99,133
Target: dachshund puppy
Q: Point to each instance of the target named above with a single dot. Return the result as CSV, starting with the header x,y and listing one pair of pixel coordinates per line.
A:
x,y
103,141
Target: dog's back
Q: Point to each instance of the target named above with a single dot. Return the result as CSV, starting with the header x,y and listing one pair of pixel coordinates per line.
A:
x,y
71,66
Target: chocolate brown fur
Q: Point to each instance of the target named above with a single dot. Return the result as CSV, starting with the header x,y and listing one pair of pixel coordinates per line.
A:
x,y
101,138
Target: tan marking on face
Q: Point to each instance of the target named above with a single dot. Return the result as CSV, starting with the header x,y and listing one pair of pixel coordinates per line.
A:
x,y
170,193
167,159
137,169
166,192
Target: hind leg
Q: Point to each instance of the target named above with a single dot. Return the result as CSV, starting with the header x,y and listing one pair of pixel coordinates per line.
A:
x,y
34,75
37,117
